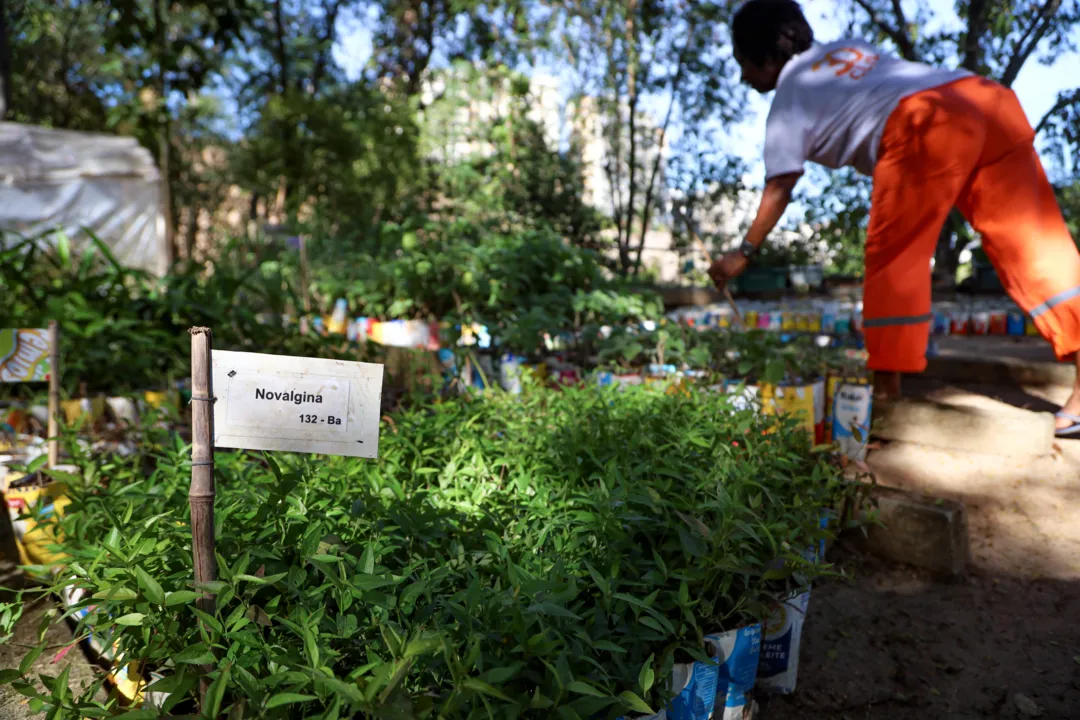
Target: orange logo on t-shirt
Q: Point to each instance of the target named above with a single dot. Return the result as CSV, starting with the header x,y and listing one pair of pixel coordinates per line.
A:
x,y
848,61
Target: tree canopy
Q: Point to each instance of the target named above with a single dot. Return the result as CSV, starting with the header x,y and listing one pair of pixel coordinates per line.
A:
x,y
247,102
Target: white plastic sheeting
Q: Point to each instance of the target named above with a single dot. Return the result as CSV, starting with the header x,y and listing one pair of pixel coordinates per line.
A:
x,y
71,180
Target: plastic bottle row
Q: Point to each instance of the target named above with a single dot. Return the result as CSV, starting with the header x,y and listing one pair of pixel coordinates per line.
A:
x,y
846,317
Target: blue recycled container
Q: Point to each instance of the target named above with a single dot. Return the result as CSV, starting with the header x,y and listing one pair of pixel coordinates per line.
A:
x,y
941,323
1016,323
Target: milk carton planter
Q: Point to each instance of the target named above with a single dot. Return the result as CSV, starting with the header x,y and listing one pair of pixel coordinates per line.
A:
x,y
32,503
32,508
123,410
158,399
782,636
605,378
852,407
805,403
738,655
510,370
86,410
720,690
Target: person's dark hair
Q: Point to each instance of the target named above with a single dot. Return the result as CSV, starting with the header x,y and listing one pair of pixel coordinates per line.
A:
x,y
764,30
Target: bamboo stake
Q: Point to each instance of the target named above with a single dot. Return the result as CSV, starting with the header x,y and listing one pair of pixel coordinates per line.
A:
x,y
201,492
54,393
727,293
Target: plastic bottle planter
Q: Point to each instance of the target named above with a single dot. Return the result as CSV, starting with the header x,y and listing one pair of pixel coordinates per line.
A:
x,y
999,322
1015,323
960,323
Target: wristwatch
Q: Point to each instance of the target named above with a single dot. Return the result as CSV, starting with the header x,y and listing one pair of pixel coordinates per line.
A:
x,y
747,250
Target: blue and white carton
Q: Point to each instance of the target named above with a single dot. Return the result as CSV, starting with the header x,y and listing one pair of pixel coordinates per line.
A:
x,y
738,654
778,670
852,405
510,367
720,690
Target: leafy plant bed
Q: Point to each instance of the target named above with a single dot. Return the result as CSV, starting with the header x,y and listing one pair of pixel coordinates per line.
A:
x,y
550,555
106,311
755,356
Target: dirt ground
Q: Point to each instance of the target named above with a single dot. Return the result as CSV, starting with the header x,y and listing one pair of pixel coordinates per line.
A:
x,y
1023,512
13,706
893,643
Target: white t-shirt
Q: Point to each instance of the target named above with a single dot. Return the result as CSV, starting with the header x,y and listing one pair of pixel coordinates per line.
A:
x,y
832,103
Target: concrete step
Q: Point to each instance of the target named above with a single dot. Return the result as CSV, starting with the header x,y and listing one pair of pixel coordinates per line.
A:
x,y
1022,512
915,529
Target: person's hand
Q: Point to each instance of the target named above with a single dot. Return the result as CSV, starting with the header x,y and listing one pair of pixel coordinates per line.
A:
x,y
727,268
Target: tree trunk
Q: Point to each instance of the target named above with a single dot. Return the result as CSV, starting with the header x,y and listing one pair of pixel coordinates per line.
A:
x,y
192,232
287,134
632,102
972,45
164,140
5,63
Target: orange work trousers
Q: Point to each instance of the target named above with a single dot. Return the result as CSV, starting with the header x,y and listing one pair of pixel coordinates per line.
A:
x,y
967,145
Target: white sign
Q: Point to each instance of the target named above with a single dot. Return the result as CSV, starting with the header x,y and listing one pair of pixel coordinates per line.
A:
x,y
296,404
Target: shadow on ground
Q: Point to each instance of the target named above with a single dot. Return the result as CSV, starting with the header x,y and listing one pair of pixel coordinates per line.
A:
x,y
1032,398
895,644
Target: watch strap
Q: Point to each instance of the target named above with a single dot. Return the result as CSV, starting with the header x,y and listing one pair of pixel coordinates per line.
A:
x,y
747,250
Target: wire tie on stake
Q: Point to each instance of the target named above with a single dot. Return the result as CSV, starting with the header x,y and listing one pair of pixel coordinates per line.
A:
x,y
203,399
201,462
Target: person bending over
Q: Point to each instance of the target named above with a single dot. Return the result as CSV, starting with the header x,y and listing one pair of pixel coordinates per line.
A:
x,y
932,139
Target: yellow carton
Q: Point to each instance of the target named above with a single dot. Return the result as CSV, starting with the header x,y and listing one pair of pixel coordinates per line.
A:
x,y
93,409
159,398
796,401
35,534
801,402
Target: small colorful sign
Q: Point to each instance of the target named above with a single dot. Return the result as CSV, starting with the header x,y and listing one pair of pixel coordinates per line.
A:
x,y
24,355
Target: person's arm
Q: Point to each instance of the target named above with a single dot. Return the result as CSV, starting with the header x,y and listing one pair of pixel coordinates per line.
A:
x,y
774,202
775,199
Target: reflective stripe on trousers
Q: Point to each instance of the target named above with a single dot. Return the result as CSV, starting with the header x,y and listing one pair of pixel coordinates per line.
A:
x,y
969,145
897,320
1053,302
